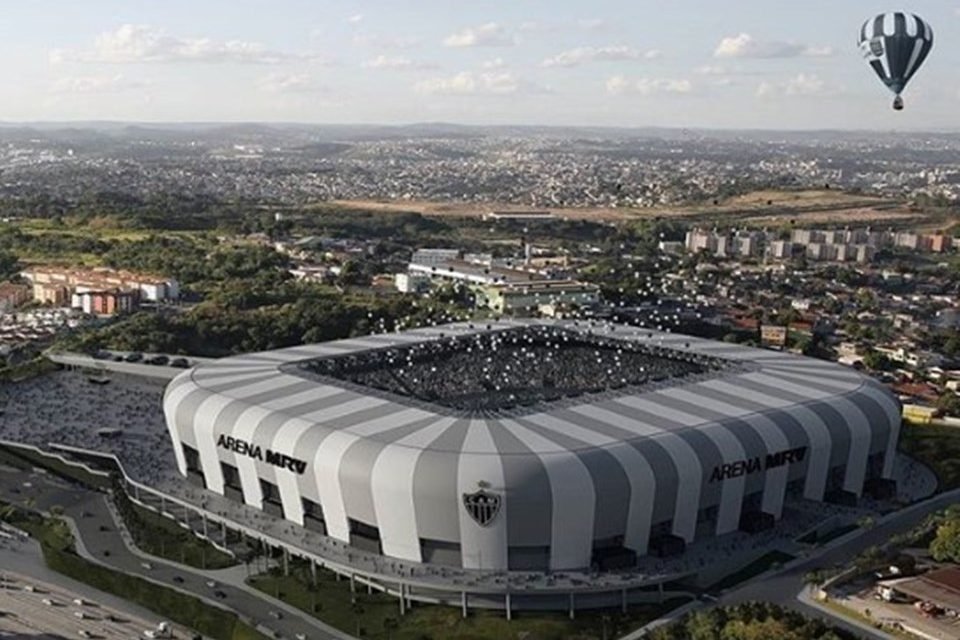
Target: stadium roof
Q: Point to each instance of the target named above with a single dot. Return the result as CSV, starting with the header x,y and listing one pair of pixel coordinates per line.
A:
x,y
763,385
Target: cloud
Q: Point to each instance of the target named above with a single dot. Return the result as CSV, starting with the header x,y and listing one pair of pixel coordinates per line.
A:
x,y
619,85
745,46
495,63
592,24
386,42
711,70
583,55
803,84
485,83
490,34
96,84
289,83
131,43
356,18
396,62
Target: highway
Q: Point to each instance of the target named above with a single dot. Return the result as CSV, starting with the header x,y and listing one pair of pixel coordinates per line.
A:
x,y
88,512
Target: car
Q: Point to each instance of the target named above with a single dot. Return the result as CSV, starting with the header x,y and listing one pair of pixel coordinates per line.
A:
x,y
178,579
180,363
146,565
158,360
118,358
211,583
134,357
301,636
276,615
102,355
219,594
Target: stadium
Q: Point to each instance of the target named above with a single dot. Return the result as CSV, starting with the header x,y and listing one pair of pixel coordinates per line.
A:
x,y
529,446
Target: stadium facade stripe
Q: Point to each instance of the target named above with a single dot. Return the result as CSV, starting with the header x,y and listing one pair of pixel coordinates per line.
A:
x,y
573,497
731,450
894,412
611,487
390,479
434,487
818,435
328,463
686,498
641,479
482,547
526,475
773,482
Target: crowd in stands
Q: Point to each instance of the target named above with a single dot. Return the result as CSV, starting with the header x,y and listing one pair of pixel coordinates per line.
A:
x,y
515,367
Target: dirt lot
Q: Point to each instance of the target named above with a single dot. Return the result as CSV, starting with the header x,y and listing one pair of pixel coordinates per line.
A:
x,y
757,208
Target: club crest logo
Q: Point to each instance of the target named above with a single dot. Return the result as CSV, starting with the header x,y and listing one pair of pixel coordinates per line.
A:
x,y
482,505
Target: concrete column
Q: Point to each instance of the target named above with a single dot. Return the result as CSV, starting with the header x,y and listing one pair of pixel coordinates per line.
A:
x,y
572,606
136,492
509,612
313,571
463,603
403,602
162,504
623,601
223,528
203,519
353,584
286,562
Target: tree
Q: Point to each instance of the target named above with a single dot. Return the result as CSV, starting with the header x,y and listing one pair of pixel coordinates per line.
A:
x,y
949,403
9,265
877,361
946,545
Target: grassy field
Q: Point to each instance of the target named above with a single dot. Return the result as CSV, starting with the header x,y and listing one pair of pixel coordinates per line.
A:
x,y
57,545
377,616
937,447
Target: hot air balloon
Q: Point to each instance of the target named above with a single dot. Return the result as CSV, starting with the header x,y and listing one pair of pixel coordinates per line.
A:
x,y
895,45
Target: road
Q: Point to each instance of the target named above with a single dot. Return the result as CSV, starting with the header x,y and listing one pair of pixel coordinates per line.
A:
x,y
89,512
97,532
786,587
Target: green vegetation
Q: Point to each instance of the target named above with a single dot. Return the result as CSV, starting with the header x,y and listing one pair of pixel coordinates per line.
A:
x,y
56,543
945,546
217,329
755,568
949,403
749,621
937,447
72,472
376,616
25,370
164,538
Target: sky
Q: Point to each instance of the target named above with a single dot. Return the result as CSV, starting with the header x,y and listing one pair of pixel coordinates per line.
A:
x,y
772,64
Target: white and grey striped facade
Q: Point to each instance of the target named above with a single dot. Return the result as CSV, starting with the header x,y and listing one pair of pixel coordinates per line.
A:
x,y
612,469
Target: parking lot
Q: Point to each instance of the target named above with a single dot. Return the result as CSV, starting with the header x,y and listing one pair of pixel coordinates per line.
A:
x,y
29,608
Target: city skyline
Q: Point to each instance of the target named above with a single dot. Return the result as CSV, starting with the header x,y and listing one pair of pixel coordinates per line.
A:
x,y
609,64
